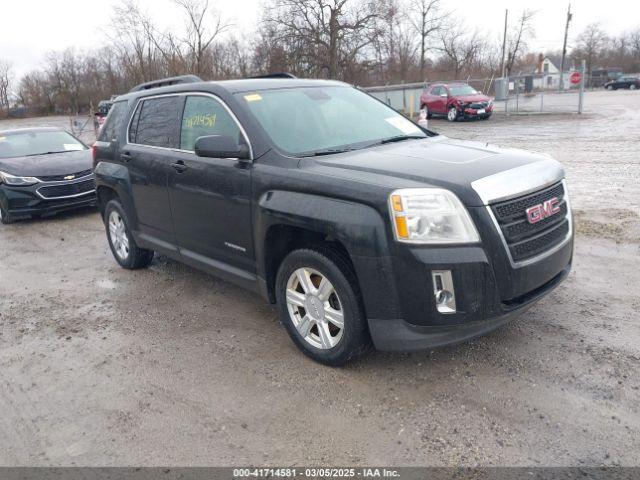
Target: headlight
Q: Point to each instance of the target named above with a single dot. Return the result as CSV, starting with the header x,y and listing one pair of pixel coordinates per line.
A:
x,y
430,216
17,181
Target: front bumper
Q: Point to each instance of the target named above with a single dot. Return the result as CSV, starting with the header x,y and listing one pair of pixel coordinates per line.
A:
x,y
490,289
475,113
24,202
400,335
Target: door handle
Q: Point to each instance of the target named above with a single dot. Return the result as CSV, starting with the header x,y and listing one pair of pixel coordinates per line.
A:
x,y
179,166
126,156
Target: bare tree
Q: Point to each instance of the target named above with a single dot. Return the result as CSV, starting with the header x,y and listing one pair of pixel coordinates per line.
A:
x,y
589,44
6,77
325,31
394,47
517,41
199,36
634,39
427,18
459,48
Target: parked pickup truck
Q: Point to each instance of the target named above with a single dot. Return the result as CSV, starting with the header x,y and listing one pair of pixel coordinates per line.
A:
x,y
362,227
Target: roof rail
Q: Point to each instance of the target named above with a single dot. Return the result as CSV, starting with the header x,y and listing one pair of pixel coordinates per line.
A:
x,y
276,75
165,82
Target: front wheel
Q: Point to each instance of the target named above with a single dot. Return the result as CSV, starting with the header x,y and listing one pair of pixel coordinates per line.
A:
x,y
609,87
632,87
319,303
121,241
452,114
4,216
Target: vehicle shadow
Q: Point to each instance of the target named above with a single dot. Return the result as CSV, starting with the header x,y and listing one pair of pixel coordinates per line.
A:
x,y
59,216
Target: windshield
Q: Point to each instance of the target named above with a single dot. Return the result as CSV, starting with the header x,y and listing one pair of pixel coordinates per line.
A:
x,y
22,144
456,90
308,120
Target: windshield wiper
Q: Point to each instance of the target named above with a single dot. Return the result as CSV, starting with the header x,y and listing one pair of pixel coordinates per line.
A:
x,y
399,138
47,153
330,151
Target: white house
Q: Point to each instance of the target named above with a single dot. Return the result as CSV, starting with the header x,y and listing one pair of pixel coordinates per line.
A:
x,y
547,75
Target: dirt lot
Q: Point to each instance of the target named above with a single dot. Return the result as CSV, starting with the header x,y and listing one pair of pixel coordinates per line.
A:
x,y
168,366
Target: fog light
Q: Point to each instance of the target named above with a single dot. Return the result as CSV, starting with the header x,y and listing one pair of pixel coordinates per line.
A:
x,y
443,291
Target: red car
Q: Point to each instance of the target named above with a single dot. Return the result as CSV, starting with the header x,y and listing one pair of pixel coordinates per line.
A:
x,y
456,101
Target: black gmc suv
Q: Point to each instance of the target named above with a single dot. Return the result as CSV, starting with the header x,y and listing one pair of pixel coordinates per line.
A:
x,y
361,226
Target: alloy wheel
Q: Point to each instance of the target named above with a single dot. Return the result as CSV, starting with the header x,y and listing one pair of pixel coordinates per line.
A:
x,y
118,235
452,114
315,308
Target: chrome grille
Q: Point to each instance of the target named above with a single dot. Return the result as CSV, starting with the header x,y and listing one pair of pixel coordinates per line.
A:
x,y
60,178
527,240
67,190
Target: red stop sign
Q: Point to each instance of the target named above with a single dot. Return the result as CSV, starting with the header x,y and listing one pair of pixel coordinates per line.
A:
x,y
575,77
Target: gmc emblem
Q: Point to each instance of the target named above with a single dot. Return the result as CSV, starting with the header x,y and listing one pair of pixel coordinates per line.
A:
x,y
542,210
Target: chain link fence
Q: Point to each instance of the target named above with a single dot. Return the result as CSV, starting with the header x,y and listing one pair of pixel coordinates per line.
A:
x,y
517,94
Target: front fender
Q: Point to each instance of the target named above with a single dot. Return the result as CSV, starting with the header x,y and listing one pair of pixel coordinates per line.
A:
x,y
358,227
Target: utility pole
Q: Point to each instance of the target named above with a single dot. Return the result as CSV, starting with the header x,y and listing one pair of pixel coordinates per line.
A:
x,y
564,47
504,43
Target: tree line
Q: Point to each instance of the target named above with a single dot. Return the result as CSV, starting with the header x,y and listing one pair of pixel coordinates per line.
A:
x,y
365,42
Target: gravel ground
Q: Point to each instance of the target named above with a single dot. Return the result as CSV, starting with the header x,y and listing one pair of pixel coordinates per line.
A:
x,y
168,366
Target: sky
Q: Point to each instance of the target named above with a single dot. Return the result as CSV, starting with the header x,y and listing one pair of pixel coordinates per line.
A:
x,y
31,28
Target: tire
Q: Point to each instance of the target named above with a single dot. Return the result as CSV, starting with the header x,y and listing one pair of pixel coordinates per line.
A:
x,y
341,296
424,107
609,87
123,246
632,87
452,114
5,218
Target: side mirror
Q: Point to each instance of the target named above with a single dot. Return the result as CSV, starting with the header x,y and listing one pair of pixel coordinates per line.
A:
x,y
221,146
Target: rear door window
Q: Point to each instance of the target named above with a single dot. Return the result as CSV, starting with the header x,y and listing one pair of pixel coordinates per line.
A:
x,y
113,122
206,116
157,123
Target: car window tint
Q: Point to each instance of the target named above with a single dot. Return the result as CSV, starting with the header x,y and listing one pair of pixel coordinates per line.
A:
x,y
435,90
113,122
310,119
159,122
206,116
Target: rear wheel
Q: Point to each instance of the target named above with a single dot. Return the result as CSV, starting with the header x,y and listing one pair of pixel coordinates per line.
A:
x,y
452,114
122,244
319,304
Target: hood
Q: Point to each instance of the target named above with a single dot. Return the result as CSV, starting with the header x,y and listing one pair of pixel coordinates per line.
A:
x,y
435,162
73,161
472,98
